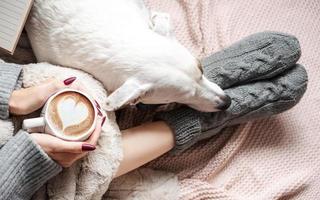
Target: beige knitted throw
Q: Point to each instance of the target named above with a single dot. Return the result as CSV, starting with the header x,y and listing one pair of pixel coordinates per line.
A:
x,y
274,158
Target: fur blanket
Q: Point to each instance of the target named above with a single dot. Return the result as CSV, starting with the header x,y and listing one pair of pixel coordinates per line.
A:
x,y
90,178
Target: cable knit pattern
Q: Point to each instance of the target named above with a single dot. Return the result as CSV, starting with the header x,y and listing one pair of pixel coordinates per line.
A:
x,y
262,79
258,74
30,173
257,57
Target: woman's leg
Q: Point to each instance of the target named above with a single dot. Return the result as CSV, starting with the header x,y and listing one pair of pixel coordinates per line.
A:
x,y
259,74
254,74
148,141
144,143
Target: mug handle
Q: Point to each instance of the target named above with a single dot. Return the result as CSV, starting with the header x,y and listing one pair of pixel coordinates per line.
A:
x,y
34,124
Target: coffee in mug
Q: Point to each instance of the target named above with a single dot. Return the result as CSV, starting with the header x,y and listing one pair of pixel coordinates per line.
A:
x,y
69,115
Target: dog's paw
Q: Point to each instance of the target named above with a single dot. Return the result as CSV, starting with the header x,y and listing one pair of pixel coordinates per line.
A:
x,y
160,23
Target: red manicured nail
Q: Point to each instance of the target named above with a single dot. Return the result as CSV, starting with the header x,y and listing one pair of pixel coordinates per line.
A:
x,y
70,80
97,104
99,113
103,120
88,147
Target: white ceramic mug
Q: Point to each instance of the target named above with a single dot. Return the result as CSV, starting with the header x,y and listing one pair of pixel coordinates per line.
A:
x,y
42,124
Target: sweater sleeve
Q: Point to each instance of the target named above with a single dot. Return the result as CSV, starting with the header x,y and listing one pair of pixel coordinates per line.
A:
x,y
24,168
10,78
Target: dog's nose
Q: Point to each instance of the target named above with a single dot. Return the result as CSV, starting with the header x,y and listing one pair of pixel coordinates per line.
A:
x,y
225,104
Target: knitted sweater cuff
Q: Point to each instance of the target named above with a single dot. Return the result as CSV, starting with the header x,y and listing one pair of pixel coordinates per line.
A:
x,y
24,168
185,123
9,80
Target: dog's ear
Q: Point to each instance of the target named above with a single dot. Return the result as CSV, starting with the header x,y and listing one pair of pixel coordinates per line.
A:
x,y
129,92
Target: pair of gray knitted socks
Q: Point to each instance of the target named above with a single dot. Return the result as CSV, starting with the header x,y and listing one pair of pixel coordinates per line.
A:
x,y
261,76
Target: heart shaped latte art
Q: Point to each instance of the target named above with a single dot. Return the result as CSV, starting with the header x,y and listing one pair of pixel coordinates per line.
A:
x,y
71,112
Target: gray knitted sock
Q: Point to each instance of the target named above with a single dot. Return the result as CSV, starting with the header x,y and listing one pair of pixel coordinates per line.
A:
x,y
256,57
258,73
259,99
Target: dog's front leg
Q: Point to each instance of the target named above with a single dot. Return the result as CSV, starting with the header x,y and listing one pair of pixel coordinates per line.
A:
x,y
128,93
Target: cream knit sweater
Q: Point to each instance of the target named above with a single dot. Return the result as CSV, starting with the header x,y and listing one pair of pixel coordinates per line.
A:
x,y
274,158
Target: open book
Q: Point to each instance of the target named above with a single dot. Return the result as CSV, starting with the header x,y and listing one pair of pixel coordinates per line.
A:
x,y
13,15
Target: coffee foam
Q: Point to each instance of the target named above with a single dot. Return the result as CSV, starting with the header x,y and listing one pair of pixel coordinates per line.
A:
x,y
71,113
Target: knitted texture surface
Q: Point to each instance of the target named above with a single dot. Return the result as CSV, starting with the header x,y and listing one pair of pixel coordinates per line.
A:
x,y
257,73
273,158
20,179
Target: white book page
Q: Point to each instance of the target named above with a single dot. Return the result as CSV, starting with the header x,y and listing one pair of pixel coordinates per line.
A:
x,y
13,14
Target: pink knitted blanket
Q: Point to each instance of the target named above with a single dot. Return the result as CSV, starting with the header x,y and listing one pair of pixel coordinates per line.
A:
x,y
274,158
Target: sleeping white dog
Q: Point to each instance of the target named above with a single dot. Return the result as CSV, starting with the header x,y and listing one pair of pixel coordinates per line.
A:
x,y
129,49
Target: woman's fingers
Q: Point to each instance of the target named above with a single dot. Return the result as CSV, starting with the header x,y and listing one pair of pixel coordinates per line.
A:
x,y
57,145
81,87
54,85
93,139
89,144
74,147
25,101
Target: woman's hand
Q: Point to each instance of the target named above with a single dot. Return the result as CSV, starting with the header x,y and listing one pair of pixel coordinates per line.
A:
x,y
64,152
25,101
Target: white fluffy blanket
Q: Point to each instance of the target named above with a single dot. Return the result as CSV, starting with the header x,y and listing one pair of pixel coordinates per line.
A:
x,y
90,178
